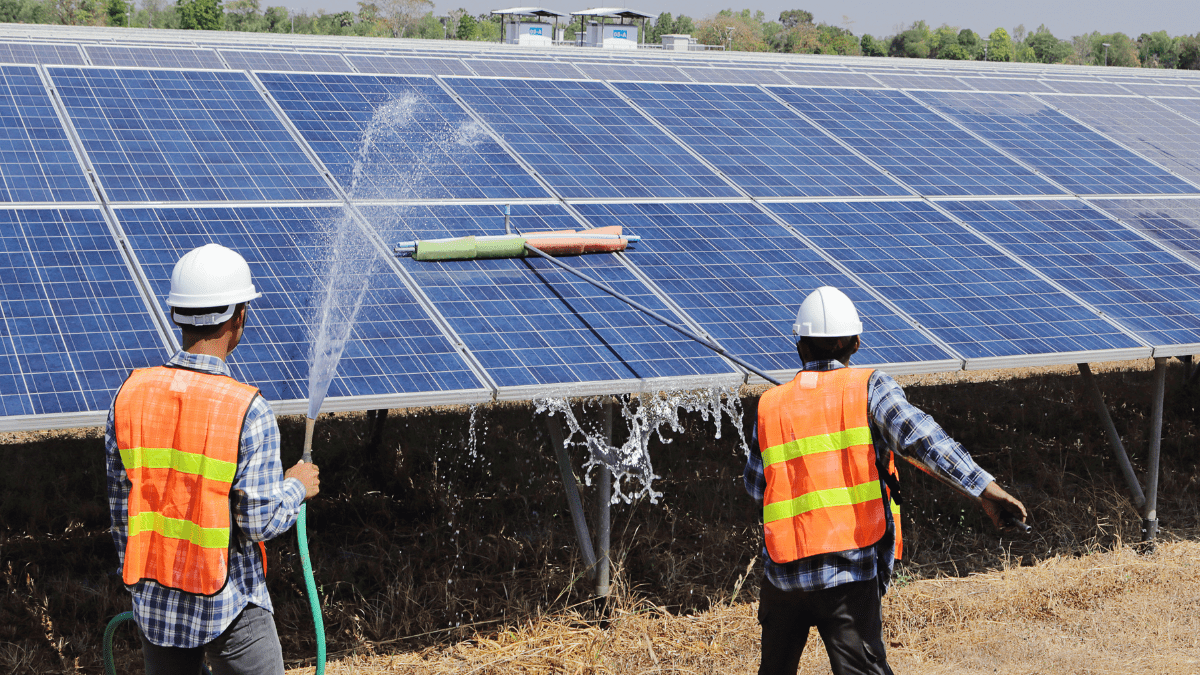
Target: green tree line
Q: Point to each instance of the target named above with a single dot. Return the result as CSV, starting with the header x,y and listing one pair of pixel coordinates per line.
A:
x,y
795,32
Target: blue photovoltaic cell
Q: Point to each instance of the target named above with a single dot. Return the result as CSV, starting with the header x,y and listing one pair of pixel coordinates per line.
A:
x,y
1188,107
1006,84
153,57
406,65
911,81
523,68
614,71
72,323
423,145
587,142
295,61
759,143
1174,222
810,78
969,294
735,76
157,135
24,52
1064,150
1089,87
1150,291
394,347
742,277
1151,89
1149,129
37,163
530,323
916,145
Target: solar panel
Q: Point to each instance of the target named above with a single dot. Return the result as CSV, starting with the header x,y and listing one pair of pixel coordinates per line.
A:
x,y
395,347
1153,89
72,322
758,143
587,142
1174,222
157,135
1147,128
1006,84
910,81
1089,87
153,57
407,65
742,276
1150,291
21,52
604,71
917,146
1067,152
295,61
37,163
419,143
809,78
523,68
1188,107
735,76
533,325
979,301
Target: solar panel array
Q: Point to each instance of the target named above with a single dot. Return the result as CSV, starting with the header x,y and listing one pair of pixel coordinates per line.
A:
x,y
979,215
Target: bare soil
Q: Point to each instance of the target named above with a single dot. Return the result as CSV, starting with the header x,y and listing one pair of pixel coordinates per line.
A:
x,y
434,555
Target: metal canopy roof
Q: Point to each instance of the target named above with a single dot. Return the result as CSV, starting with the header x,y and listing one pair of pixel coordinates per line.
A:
x,y
614,12
528,11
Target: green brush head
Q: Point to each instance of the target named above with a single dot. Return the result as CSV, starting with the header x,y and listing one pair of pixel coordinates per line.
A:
x,y
469,248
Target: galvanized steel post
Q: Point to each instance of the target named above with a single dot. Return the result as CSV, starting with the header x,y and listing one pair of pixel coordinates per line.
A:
x,y
1150,516
574,502
604,509
1139,500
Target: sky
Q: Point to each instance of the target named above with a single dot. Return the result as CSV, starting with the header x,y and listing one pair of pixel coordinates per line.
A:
x,y
1064,18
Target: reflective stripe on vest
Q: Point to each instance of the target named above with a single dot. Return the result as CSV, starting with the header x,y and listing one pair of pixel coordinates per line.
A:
x,y
179,432
823,492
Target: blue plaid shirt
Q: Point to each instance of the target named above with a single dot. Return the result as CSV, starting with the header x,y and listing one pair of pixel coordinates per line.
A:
x,y
895,425
263,504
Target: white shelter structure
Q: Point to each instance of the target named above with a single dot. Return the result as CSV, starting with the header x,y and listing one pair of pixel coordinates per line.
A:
x,y
595,32
532,33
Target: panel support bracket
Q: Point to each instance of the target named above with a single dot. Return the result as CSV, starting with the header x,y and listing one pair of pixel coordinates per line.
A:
x,y
595,557
1146,503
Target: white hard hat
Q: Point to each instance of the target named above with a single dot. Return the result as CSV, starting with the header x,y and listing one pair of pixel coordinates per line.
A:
x,y
210,276
827,312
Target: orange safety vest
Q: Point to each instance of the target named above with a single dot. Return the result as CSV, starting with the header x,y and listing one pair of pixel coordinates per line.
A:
x,y
824,492
179,432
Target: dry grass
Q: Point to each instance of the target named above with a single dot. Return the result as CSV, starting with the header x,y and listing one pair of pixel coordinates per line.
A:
x,y
426,547
1115,612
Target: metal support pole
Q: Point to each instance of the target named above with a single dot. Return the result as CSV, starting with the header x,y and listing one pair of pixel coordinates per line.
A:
x,y
574,503
1191,372
604,509
1150,517
1139,500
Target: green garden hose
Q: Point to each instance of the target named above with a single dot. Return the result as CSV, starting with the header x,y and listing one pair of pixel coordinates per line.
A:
x,y
310,587
110,668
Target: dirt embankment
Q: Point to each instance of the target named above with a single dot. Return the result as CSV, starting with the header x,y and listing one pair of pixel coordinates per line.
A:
x,y
436,559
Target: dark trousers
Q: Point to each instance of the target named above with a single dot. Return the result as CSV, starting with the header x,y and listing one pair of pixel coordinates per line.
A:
x,y
249,646
849,618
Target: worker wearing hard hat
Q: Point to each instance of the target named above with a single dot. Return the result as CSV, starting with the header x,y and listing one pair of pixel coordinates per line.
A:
x,y
824,472
195,485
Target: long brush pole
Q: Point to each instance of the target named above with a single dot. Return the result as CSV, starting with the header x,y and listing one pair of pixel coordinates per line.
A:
x,y
654,315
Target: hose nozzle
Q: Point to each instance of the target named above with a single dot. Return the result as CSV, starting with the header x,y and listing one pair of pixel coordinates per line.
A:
x,y
306,456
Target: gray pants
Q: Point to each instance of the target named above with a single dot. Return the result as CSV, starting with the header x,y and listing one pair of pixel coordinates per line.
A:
x,y
249,646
